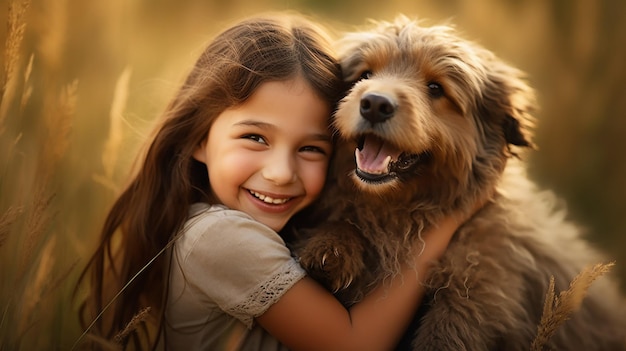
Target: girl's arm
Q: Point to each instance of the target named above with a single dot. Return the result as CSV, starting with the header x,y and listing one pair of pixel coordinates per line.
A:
x,y
308,317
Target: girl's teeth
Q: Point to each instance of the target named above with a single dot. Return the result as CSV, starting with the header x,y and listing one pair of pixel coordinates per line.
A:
x,y
268,199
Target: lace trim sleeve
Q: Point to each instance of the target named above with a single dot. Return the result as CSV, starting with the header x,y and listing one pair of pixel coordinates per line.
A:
x,y
267,293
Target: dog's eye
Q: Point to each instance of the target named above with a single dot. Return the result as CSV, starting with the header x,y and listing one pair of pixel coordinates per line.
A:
x,y
366,75
435,89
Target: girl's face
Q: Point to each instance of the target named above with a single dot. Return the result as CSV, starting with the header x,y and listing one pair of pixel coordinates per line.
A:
x,y
268,156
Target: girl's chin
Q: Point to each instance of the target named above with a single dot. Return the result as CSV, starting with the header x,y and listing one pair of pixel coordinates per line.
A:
x,y
275,225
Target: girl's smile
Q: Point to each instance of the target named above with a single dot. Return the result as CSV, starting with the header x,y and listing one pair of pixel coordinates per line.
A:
x,y
273,199
268,156
272,204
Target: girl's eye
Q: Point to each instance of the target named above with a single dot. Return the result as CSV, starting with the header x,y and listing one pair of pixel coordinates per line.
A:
x,y
254,137
435,89
315,149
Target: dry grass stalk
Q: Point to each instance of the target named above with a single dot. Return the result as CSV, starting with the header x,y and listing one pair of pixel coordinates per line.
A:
x,y
59,124
558,309
61,278
52,34
34,292
16,26
116,132
37,223
39,296
132,279
28,89
8,218
137,319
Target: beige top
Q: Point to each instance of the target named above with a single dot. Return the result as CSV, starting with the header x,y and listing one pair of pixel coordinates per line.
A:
x,y
226,269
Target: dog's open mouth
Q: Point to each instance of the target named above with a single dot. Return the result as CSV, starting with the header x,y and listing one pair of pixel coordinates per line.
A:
x,y
379,161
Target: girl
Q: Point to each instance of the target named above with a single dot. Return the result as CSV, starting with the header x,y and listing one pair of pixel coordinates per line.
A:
x,y
243,147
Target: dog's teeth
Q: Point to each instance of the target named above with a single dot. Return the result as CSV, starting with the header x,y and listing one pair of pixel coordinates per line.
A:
x,y
323,260
386,164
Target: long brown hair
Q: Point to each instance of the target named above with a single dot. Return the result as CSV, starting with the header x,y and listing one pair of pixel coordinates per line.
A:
x,y
154,206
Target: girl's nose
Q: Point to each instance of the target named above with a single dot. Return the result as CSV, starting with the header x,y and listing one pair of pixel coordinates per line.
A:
x,y
280,169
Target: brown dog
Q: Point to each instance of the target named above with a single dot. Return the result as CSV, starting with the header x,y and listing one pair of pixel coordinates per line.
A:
x,y
438,122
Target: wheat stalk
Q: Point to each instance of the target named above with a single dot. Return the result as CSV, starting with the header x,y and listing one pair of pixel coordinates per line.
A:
x,y
37,223
16,26
114,140
8,218
52,34
35,290
132,279
558,309
56,283
137,319
58,126
27,89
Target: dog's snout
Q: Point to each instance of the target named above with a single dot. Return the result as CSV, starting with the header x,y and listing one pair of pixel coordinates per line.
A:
x,y
376,108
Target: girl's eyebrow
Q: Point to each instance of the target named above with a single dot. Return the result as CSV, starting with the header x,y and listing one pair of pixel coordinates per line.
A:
x,y
249,122
321,137
254,123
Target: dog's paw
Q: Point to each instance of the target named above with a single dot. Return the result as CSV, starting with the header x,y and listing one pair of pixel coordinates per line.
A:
x,y
334,266
335,261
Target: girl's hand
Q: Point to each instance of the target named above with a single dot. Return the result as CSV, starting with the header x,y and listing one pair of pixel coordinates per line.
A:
x,y
435,240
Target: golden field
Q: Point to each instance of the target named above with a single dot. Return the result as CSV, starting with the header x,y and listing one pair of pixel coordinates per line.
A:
x,y
83,81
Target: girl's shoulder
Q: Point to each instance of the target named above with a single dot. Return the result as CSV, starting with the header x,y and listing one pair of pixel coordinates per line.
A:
x,y
208,216
216,211
249,260
218,228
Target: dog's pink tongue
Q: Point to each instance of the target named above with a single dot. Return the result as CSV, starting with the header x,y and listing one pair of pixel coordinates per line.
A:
x,y
375,155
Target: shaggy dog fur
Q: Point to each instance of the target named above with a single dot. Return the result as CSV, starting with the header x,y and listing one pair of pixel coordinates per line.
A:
x,y
438,123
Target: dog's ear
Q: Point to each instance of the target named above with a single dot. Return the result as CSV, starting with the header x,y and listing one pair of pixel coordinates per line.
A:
x,y
514,100
350,52
513,132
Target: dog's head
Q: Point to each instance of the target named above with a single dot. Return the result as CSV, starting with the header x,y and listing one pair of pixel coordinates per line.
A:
x,y
431,114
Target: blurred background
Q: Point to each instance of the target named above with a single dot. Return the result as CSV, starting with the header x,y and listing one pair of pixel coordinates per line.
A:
x,y
83,82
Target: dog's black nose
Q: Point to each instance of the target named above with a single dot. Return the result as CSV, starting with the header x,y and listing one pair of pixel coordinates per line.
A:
x,y
376,108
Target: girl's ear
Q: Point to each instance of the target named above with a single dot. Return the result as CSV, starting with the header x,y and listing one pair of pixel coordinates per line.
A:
x,y
199,154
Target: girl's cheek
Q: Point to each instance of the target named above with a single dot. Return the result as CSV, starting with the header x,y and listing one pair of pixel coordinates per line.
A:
x,y
319,178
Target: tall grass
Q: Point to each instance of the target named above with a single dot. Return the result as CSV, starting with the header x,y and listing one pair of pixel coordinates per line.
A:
x,y
34,130
559,308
